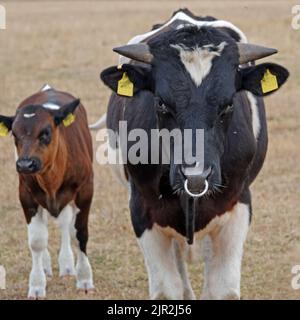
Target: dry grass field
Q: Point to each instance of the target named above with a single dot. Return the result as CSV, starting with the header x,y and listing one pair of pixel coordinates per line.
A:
x,y
67,44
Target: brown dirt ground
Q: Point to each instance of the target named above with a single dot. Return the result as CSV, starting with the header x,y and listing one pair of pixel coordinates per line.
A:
x,y
66,44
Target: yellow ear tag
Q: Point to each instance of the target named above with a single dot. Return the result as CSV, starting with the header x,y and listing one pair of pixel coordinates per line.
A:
x,y
3,130
269,82
70,118
125,86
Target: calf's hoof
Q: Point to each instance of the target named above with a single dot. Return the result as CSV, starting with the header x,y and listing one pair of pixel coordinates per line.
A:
x,y
36,293
85,285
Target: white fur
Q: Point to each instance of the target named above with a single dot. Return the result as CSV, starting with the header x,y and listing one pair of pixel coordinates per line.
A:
x,y
84,272
38,241
66,257
223,250
198,61
46,87
160,259
28,115
51,106
255,114
184,17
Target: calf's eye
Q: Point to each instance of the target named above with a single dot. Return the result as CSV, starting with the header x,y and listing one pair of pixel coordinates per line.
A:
x,y
45,136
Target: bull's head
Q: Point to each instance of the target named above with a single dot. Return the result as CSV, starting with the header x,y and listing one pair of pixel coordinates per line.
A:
x,y
195,74
36,134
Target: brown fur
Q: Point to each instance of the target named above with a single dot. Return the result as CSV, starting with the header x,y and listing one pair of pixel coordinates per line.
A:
x,y
67,173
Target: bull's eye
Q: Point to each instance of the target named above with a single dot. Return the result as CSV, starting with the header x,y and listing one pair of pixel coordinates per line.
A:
x,y
45,136
161,107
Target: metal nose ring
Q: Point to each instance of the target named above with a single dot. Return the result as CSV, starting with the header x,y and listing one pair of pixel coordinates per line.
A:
x,y
195,195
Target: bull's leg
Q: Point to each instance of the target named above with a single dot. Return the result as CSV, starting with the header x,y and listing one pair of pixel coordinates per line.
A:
x,y
84,273
160,259
66,257
38,241
223,250
188,293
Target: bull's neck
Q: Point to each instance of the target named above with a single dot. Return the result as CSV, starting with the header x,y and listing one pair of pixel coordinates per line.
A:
x,y
51,179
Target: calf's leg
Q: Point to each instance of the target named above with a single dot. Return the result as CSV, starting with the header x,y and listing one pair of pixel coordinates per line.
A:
x,y
84,273
66,257
38,241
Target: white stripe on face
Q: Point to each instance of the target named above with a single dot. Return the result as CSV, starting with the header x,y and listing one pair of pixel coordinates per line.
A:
x,y
198,61
28,115
51,106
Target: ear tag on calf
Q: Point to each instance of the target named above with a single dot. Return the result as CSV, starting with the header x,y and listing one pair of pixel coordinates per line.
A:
x,y
69,119
3,130
269,82
125,86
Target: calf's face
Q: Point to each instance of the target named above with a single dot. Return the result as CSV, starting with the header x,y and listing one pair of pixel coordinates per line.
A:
x,y
36,134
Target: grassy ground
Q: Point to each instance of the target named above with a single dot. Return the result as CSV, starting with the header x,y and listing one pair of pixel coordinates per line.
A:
x,y
66,44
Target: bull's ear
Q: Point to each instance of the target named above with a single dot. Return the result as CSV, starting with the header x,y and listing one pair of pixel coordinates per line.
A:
x,y
65,114
127,79
5,125
263,79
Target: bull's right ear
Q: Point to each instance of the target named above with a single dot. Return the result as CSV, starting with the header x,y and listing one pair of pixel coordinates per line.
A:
x,y
127,79
5,125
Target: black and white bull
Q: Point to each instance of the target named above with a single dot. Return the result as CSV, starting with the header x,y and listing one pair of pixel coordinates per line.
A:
x,y
195,76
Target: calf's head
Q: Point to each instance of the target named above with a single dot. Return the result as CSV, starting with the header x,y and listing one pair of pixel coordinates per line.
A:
x,y
36,133
194,74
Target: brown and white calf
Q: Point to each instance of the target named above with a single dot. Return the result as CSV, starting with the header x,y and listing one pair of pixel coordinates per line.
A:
x,y
54,162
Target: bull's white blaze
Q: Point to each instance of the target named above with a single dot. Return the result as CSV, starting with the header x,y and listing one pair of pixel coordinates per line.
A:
x,y
198,61
255,114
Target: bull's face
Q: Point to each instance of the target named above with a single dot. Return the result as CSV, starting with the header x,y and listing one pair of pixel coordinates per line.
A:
x,y
36,134
194,75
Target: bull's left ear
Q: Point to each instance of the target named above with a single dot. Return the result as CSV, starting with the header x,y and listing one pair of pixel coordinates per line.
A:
x,y
65,114
5,125
127,79
263,79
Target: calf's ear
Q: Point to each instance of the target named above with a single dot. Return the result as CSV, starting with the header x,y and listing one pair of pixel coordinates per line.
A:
x,y
263,79
127,79
5,125
65,114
